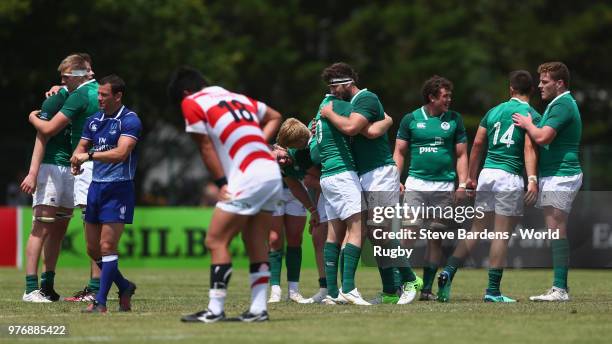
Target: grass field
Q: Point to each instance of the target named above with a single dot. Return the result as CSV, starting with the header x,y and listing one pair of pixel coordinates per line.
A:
x,y
163,295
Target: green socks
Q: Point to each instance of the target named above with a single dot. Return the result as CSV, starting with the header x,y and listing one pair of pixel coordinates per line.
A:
x,y
452,265
560,251
94,284
495,276
293,260
322,282
47,280
31,283
331,254
341,267
276,264
351,259
429,274
387,276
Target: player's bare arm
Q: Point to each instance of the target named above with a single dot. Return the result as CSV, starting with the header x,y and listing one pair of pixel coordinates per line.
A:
x,y
125,145
28,185
462,169
270,123
211,161
378,128
300,193
82,148
480,143
351,125
49,128
541,136
531,166
399,155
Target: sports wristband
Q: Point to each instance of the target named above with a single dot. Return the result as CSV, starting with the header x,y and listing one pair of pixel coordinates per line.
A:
x,y
462,185
220,182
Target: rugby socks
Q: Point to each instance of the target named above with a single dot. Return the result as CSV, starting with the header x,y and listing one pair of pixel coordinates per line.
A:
x,y
293,260
341,266
351,259
259,277
276,264
47,279
397,279
452,265
387,276
495,276
110,274
331,253
406,273
120,281
322,282
429,274
93,284
220,275
31,283
560,252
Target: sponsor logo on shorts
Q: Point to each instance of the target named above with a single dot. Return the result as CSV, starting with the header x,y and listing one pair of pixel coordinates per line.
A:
x,y
122,212
239,204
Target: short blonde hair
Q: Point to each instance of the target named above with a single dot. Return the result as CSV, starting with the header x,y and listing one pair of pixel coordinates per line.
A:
x,y
293,134
74,62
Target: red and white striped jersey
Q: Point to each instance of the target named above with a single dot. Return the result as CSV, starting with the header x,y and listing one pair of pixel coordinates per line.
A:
x,y
231,120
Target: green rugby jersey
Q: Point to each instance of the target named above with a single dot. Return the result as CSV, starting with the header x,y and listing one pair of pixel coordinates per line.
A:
x,y
301,163
506,142
370,154
432,143
334,148
80,104
560,157
58,149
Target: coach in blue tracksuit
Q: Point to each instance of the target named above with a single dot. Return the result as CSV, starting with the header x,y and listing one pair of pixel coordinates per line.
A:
x,y
112,133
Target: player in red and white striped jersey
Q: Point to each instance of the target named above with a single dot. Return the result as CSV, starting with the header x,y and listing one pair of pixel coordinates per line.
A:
x,y
232,131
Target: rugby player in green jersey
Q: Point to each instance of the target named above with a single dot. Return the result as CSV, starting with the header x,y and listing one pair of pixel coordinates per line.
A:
x,y
330,149
50,181
436,139
81,103
499,186
558,137
378,174
289,218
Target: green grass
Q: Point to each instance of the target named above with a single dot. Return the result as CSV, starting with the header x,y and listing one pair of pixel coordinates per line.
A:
x,y
163,295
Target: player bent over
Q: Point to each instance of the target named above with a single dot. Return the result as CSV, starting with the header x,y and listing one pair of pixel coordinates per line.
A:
x,y
232,131
290,218
499,190
112,133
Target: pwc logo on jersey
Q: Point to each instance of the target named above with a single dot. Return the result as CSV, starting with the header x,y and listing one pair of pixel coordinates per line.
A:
x,y
445,125
93,127
428,150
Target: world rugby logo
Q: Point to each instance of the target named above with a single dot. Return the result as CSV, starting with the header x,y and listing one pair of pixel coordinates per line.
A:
x,y
445,125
